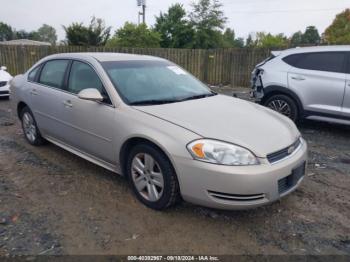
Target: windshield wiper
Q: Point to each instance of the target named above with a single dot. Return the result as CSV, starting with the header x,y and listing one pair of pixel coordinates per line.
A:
x,y
198,96
152,102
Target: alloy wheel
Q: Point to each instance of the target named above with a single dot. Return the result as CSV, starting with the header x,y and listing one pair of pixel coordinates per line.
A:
x,y
281,107
147,177
29,127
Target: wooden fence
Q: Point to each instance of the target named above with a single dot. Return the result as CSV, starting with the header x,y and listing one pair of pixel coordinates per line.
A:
x,y
216,67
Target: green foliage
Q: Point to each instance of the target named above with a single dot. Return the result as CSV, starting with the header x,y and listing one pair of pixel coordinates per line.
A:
x,y
296,39
96,34
131,35
47,34
311,36
267,40
229,39
339,31
6,32
174,29
22,34
208,20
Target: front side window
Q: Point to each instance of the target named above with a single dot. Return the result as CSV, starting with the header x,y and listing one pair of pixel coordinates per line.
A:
x,y
323,61
153,82
53,73
81,77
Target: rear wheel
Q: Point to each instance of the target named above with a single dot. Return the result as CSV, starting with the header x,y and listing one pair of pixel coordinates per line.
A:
x,y
30,128
152,177
284,105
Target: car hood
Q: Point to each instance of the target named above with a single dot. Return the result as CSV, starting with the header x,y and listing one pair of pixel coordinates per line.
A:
x,y
4,76
229,119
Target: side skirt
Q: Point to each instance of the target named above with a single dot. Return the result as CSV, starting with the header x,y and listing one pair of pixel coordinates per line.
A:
x,y
88,157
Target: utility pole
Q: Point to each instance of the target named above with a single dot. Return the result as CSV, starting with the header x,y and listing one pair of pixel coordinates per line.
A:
x,y
143,13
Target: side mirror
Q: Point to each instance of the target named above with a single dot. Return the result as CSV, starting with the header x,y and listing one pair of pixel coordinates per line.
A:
x,y
3,68
90,94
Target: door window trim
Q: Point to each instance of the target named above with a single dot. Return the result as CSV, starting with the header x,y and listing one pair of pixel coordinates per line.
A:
x,y
343,68
99,77
66,78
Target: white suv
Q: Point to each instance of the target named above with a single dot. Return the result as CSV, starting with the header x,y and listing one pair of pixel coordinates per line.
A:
x,y
309,82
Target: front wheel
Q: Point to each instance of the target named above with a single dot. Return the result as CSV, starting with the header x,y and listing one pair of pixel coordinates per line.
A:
x,y
283,105
152,177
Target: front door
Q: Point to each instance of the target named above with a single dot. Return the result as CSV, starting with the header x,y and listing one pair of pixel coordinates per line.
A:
x,y
89,126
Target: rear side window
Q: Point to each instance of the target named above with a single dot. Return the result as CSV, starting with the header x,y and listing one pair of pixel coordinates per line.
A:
x,y
32,75
53,73
325,61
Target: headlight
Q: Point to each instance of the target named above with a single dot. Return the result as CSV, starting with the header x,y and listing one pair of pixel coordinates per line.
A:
x,y
221,153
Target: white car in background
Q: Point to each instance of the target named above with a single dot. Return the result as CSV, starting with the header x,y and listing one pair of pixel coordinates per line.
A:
x,y
5,78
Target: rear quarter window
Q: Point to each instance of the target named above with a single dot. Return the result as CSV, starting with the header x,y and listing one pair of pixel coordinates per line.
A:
x,y
321,61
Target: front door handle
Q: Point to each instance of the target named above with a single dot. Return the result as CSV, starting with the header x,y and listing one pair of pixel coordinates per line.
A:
x,y
298,78
34,92
68,103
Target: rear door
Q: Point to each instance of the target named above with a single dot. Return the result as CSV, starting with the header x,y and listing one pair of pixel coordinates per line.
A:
x,y
46,90
319,80
346,102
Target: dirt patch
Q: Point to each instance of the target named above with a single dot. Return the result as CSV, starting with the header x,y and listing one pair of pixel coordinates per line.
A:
x,y
52,202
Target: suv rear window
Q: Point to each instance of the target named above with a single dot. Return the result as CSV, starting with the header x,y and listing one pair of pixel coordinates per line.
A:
x,y
322,61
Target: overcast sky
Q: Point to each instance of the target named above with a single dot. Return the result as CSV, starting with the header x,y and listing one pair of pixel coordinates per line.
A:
x,y
244,16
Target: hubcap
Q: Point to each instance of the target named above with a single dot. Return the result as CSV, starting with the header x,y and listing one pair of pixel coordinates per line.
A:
x,y
281,107
147,177
29,127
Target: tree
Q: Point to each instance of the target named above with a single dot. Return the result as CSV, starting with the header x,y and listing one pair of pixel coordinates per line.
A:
x,y
47,34
311,36
296,39
339,31
131,35
174,29
264,40
22,34
208,20
229,39
6,32
250,41
96,34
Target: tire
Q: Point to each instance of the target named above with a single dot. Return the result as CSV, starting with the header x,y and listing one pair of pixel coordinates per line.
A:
x,y
30,129
145,177
284,105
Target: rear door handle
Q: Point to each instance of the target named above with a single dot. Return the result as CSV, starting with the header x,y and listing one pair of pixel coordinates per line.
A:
x,y
298,78
68,103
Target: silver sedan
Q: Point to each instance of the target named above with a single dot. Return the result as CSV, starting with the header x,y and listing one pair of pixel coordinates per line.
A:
x,y
166,132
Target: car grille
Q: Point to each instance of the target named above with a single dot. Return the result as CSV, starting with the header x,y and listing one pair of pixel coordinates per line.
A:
x,y
281,154
234,197
290,181
3,83
4,92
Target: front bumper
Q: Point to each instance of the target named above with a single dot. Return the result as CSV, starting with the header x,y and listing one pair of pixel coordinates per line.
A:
x,y
5,91
228,187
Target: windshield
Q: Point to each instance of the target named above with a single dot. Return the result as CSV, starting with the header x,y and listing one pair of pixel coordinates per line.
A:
x,y
154,82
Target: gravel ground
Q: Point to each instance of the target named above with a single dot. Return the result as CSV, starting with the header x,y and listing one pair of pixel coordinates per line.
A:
x,y
53,202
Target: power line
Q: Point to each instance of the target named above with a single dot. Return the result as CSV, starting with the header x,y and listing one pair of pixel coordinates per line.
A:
x,y
288,11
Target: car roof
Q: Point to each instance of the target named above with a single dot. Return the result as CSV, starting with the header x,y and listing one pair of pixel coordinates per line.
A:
x,y
298,50
105,57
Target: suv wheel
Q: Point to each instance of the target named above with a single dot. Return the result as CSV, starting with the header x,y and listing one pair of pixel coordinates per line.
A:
x,y
152,177
30,128
284,105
